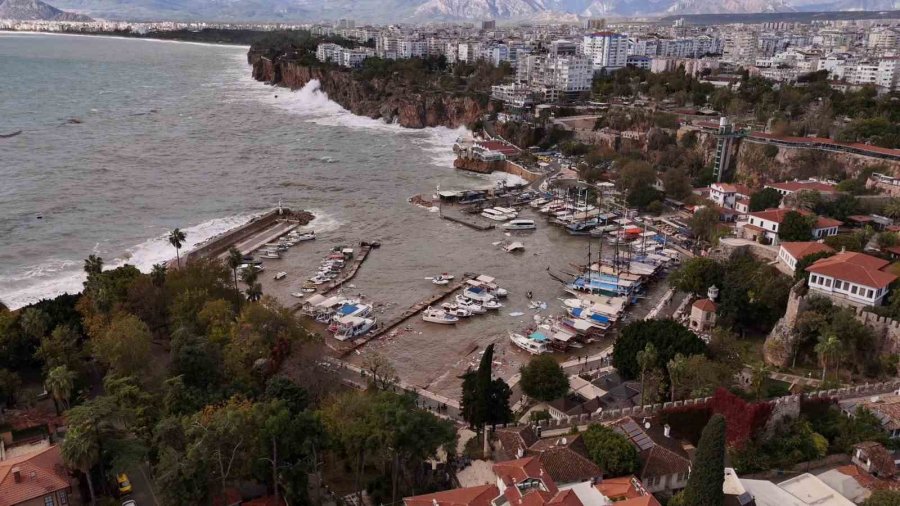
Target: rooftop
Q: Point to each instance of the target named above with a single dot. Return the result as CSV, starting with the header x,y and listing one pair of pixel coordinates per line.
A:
x,y
803,249
40,473
854,267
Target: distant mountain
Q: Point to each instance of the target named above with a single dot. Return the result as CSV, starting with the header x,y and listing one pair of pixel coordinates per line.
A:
x,y
444,10
34,10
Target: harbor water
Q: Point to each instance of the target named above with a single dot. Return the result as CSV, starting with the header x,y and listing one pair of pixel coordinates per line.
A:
x,y
123,140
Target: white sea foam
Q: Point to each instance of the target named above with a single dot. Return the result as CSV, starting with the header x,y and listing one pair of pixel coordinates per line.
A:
x,y
59,276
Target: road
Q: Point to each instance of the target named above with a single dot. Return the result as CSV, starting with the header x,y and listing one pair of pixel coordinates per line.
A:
x,y
143,491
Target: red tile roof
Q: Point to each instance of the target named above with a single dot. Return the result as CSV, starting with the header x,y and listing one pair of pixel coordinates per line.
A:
x,y
777,216
854,267
645,500
705,305
41,473
500,147
825,222
796,186
800,250
472,496
732,188
565,462
619,488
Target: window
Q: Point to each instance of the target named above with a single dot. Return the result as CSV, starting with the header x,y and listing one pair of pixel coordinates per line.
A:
x,y
828,282
869,294
63,497
814,279
48,501
853,290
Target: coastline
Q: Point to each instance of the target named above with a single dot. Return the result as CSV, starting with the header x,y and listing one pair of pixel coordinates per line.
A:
x,y
123,37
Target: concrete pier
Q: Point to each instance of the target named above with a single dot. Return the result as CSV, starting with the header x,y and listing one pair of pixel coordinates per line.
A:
x,y
470,224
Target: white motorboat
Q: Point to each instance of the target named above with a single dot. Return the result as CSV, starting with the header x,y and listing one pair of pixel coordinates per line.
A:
x,y
279,276
318,280
443,279
459,312
353,326
433,315
472,307
305,236
493,214
273,254
491,304
529,345
298,295
509,212
520,224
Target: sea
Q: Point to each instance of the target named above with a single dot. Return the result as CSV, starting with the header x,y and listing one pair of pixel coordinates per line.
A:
x,y
124,140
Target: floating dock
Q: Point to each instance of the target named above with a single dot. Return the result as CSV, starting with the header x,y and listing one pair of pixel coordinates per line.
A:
x,y
471,224
358,260
387,326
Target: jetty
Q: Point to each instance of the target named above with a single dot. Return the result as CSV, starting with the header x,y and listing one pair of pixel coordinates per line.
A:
x,y
471,224
387,326
358,259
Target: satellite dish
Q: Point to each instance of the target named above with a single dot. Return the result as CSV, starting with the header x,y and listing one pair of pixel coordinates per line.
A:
x,y
646,425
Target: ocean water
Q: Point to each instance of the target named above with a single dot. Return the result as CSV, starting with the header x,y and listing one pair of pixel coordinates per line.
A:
x,y
126,139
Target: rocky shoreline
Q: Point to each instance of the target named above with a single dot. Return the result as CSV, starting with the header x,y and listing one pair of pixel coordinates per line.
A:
x,y
375,98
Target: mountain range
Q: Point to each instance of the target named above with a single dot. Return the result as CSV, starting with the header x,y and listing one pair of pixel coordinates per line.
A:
x,y
441,10
34,10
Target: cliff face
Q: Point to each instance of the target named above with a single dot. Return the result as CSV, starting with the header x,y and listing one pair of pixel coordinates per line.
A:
x,y
375,98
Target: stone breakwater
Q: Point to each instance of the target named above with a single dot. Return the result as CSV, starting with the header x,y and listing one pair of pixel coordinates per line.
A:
x,y
378,98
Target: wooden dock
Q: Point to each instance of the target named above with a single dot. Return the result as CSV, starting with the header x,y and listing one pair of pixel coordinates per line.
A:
x,y
471,224
387,326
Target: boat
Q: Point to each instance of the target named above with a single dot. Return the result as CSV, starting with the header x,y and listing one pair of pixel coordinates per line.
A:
x,y
280,275
514,247
443,279
491,304
270,254
305,236
472,307
539,202
298,295
493,214
520,224
433,315
353,326
531,346
508,211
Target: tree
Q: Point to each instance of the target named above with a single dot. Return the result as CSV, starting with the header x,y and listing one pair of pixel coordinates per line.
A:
x,y
235,259
705,225
760,375
795,227
93,265
803,263
696,275
647,360
704,486
61,348
176,239
60,382
158,275
892,208
35,323
124,346
381,370
676,369
254,289
767,198
79,451
667,336
484,401
543,379
677,183
883,498
610,450
10,383
886,240
829,350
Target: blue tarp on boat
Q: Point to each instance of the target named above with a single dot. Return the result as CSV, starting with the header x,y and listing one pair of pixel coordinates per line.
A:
x,y
578,312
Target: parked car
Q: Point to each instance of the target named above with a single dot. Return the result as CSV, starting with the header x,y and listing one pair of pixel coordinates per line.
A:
x,y
129,502
123,484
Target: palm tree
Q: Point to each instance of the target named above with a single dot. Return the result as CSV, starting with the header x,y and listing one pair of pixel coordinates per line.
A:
x,y
93,265
79,451
892,208
646,359
254,292
828,348
158,275
60,382
760,373
235,259
677,367
176,238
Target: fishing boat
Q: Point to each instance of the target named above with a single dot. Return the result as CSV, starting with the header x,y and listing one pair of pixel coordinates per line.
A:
x,y
280,275
493,214
440,316
353,326
520,224
529,345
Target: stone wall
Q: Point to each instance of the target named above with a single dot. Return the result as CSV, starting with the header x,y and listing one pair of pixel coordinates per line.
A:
x,y
219,244
485,167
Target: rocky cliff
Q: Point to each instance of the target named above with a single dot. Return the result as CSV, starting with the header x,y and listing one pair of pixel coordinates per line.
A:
x,y
384,98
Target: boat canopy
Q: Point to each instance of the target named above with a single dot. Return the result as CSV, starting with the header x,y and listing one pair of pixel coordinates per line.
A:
x,y
485,279
329,302
348,309
537,336
596,318
314,300
351,320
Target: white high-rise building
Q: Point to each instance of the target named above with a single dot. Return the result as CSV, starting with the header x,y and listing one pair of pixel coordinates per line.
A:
x,y
607,50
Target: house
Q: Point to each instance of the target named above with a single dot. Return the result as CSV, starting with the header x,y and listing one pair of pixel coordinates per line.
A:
x,y
526,482
811,490
35,478
727,195
765,225
792,252
874,459
620,393
665,460
564,458
791,187
885,407
846,481
851,278
703,315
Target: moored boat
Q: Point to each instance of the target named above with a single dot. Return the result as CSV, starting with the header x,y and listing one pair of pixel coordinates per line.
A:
x,y
440,316
520,224
531,346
